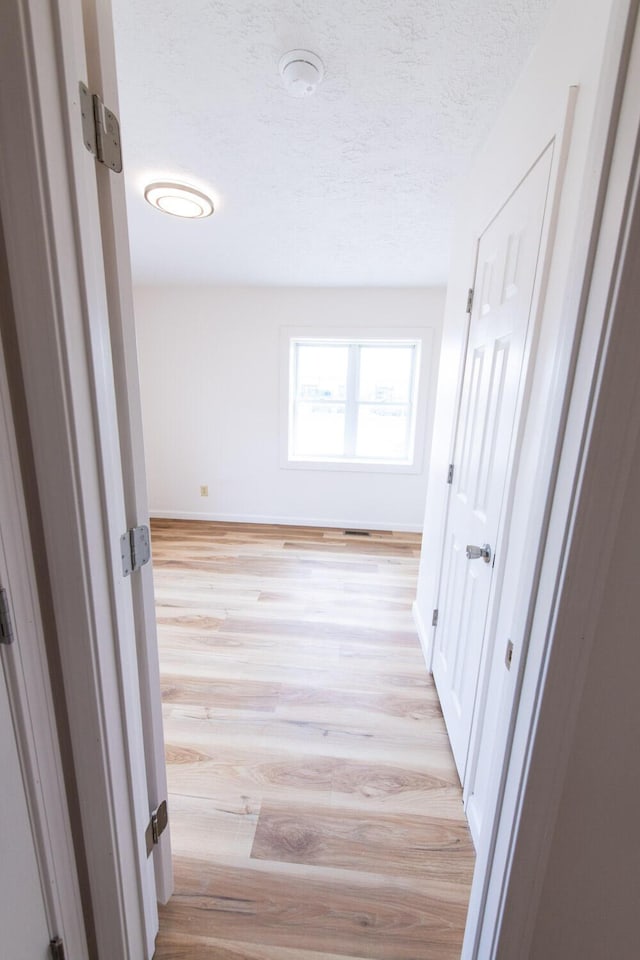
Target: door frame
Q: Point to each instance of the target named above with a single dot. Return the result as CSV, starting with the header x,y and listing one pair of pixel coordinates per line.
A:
x,y
50,212
31,700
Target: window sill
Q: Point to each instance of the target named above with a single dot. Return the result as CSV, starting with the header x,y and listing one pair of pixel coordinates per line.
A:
x,y
351,466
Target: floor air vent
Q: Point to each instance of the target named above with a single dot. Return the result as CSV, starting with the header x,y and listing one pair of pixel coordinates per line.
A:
x,y
357,533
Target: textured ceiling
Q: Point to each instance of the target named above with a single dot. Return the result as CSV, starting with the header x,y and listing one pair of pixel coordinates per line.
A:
x,y
354,185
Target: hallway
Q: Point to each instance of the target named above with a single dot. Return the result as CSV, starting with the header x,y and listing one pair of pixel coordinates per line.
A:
x,y
314,803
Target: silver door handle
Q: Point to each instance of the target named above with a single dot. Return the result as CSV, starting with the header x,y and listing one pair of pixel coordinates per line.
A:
x,y
475,553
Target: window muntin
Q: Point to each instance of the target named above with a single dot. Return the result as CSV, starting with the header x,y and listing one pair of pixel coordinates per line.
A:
x,y
353,401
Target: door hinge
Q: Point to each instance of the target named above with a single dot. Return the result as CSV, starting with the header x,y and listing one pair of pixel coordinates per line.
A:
x,y
100,130
470,300
450,474
508,657
156,827
135,549
56,948
434,619
6,626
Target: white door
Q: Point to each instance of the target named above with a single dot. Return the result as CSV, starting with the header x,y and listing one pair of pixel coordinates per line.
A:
x,y
23,920
503,290
101,66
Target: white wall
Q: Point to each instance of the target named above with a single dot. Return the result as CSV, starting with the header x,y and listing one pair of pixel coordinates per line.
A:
x,y
210,382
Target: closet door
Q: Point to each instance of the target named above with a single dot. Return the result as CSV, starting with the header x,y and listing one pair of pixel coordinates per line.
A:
x,y
507,263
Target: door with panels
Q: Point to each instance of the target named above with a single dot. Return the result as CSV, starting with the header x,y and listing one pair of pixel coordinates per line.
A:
x,y
508,255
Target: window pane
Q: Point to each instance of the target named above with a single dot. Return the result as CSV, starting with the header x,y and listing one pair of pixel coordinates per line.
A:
x,y
382,432
321,372
318,430
385,374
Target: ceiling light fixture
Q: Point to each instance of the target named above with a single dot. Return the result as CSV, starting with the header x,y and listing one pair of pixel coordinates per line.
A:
x,y
179,199
302,72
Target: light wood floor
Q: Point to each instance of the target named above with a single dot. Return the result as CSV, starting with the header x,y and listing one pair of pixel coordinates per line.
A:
x,y
315,808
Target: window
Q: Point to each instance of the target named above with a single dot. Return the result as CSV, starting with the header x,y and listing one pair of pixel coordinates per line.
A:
x,y
352,401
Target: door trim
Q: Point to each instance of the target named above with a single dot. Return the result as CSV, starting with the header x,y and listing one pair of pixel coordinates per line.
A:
x,y
26,672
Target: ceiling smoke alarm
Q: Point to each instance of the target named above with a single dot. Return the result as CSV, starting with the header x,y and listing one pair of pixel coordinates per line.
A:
x,y
302,72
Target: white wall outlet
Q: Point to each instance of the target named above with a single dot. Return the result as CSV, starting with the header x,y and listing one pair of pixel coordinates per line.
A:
x,y
204,491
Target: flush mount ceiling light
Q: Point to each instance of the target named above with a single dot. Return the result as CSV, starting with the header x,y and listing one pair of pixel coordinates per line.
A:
x,y
179,199
302,72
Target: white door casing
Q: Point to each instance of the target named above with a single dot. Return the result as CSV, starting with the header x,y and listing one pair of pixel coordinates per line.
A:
x,y
39,889
23,910
508,253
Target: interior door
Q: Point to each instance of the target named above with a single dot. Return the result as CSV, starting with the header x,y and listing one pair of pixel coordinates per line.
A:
x,y
507,261
23,920
102,76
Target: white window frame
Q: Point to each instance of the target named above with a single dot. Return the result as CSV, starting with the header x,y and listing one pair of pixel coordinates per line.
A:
x,y
418,337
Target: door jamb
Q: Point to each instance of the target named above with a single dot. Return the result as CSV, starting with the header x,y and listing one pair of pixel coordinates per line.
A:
x,y
26,672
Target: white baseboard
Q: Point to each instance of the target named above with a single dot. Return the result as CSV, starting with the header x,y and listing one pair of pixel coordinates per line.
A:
x,y
423,635
286,521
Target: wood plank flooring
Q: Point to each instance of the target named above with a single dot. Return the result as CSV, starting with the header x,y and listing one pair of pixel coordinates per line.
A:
x,y
315,808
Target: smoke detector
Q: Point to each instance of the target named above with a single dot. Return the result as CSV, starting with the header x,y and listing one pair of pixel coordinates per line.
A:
x,y
302,72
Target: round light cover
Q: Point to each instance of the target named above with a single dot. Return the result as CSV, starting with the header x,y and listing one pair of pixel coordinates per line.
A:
x,y
179,199
301,71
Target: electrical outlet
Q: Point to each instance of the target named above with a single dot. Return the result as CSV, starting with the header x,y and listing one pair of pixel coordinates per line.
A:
x,y
204,491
